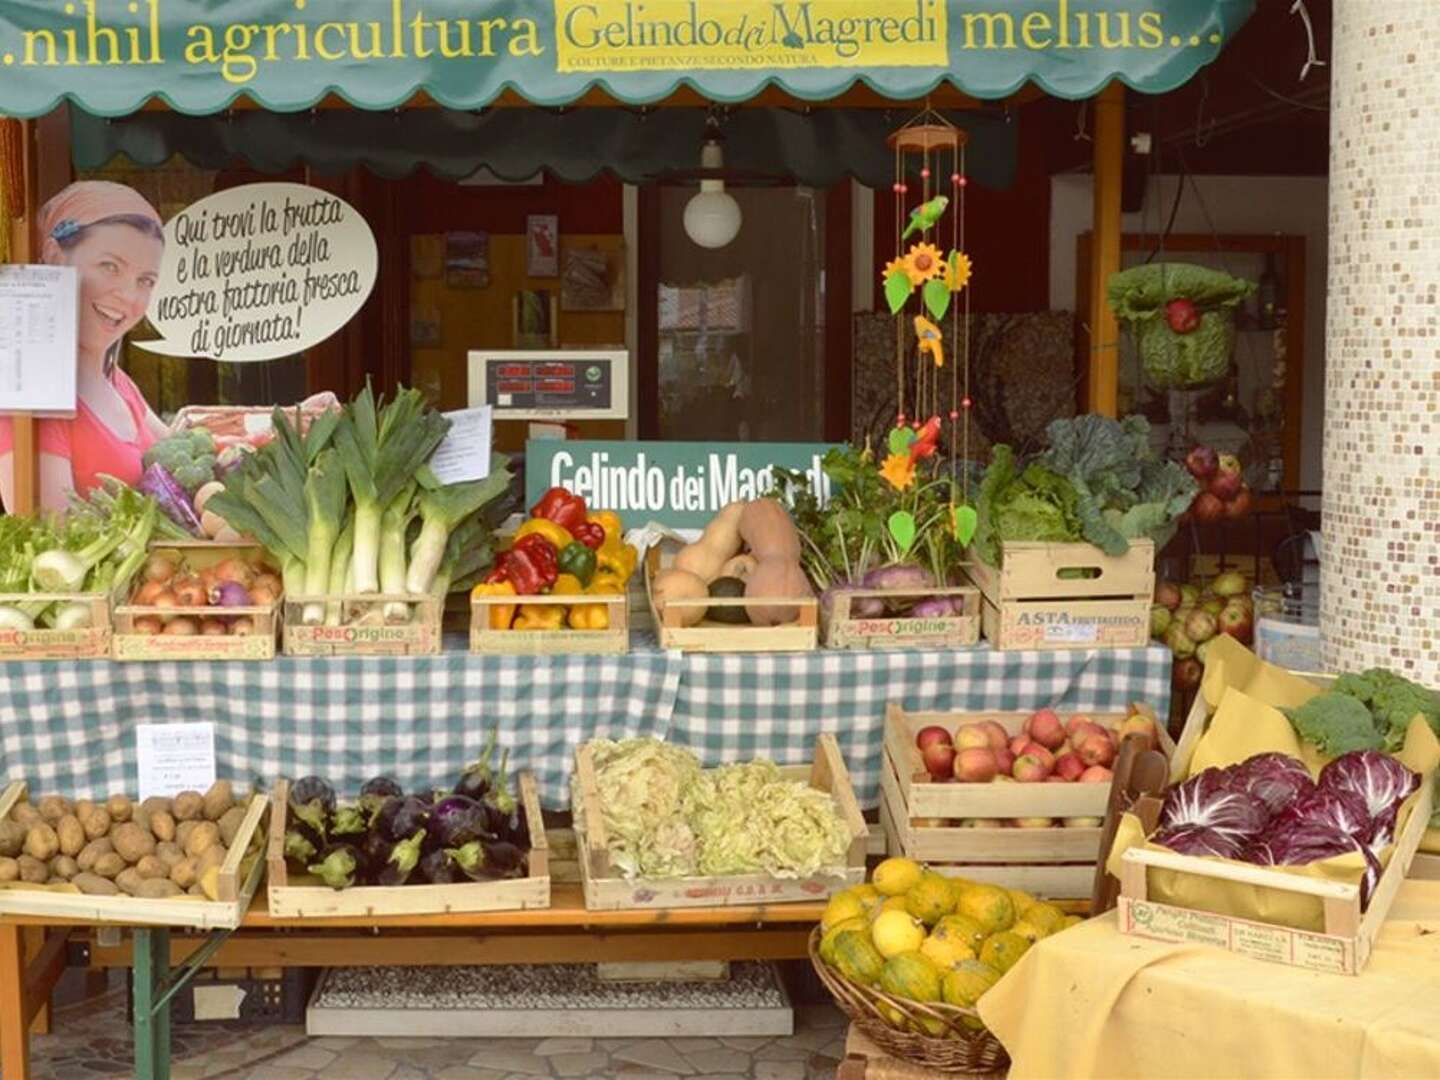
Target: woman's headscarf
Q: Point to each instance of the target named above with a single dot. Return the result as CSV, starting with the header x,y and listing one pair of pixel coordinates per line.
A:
x,y
89,201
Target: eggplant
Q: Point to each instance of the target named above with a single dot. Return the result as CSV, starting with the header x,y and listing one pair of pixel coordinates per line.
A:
x,y
500,803
311,788
338,866
456,820
438,868
312,814
488,860
349,821
302,843
404,856
400,818
374,850
478,776
381,787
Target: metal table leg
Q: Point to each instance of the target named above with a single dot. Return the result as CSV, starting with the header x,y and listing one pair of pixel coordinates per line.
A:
x,y
154,987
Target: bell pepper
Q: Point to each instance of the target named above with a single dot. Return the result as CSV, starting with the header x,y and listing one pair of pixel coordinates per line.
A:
x,y
540,617
605,583
589,617
579,561
501,615
610,522
590,533
567,585
617,560
548,529
563,507
530,565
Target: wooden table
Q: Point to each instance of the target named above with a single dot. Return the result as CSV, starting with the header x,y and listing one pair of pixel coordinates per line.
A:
x,y
32,951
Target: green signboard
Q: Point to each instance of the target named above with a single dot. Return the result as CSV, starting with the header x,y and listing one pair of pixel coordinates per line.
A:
x,y
681,484
111,56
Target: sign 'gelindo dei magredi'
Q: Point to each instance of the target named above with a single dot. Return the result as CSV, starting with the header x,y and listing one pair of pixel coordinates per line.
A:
x,y
110,56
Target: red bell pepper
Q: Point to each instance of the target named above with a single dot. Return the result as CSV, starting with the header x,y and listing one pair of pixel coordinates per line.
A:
x,y
590,533
531,565
564,508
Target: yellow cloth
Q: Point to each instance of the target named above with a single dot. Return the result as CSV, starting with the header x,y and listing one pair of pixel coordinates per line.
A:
x,y
1091,1002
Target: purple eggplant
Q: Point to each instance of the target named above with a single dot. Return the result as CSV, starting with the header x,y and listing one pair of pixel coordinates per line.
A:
x,y
438,868
456,820
403,857
400,818
380,788
312,789
338,866
475,781
501,804
482,860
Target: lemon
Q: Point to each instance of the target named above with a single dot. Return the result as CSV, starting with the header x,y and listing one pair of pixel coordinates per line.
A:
x,y
1022,900
896,877
895,932
988,905
962,928
930,900
1047,917
842,906
1029,931
867,894
1002,950
945,950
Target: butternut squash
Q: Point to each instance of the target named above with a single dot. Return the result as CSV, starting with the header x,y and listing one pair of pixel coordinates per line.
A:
x,y
672,584
719,542
767,530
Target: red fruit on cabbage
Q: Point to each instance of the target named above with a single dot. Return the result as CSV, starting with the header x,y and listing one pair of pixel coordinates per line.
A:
x,y
1197,840
1379,779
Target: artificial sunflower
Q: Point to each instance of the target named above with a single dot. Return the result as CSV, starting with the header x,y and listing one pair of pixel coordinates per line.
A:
x,y
958,277
899,470
923,263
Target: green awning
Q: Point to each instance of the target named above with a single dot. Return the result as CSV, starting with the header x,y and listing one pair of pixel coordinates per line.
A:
x,y
111,56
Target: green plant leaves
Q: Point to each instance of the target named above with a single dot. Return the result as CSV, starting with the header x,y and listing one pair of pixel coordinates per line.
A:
x,y
902,528
966,521
937,298
900,440
897,290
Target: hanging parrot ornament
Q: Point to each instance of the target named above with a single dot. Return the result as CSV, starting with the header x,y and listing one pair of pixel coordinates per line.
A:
x,y
924,216
930,340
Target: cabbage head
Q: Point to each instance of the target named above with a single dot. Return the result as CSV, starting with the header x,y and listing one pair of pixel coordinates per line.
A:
x,y
1174,361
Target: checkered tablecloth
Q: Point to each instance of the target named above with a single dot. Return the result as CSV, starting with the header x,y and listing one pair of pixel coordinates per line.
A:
x,y
69,726
733,707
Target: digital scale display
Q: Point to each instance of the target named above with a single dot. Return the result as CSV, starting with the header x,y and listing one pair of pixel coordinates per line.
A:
x,y
589,383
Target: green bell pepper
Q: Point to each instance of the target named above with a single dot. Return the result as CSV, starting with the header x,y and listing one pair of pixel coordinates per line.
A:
x,y
578,561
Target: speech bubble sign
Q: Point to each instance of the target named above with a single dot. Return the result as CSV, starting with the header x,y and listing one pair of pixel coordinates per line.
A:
x,y
259,272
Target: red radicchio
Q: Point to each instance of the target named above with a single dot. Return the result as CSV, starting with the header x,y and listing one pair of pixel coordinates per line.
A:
x,y
1210,800
1197,840
1379,779
1277,780
1341,810
1299,843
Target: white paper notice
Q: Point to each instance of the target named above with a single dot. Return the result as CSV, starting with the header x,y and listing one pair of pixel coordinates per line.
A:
x,y
37,338
175,757
465,453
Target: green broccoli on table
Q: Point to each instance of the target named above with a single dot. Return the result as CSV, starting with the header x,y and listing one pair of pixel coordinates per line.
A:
x,y
188,456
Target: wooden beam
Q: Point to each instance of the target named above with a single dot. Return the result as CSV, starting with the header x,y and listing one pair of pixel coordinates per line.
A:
x,y
1104,380
24,460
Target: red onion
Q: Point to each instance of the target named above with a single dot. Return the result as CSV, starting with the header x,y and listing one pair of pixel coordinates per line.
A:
x,y
230,594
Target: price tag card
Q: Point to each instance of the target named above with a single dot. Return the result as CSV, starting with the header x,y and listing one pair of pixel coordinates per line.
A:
x,y
175,757
464,455
38,327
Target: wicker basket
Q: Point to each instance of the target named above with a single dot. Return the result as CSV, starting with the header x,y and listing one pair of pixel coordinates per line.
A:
x,y
962,1050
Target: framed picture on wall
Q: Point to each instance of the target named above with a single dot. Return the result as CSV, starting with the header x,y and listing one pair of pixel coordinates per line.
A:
x,y
542,245
592,279
535,319
467,260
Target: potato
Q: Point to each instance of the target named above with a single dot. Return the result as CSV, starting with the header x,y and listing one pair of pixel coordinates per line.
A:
x,y
202,837
109,865
12,838
210,882
169,852
187,806
218,801
229,824
33,870
96,823
9,869
132,842
158,889
195,890
94,885
25,814
41,842
92,851
162,825
154,804
183,830
129,880
214,855
63,868
119,808
71,835
184,873
53,808
152,867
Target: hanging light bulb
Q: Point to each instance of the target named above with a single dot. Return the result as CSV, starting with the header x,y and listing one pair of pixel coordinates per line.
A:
x,y
712,217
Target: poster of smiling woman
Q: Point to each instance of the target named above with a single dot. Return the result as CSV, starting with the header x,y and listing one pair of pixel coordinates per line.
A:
x,y
115,240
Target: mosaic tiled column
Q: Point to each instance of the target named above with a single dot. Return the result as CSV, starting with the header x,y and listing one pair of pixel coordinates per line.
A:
x,y
1380,604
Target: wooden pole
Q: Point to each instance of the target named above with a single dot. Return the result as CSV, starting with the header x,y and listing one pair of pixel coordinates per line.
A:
x,y
1104,381
24,459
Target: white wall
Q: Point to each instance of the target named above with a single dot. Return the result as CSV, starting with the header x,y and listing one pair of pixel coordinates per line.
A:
x,y
1235,204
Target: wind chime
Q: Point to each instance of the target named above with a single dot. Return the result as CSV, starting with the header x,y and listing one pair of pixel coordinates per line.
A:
x,y
937,147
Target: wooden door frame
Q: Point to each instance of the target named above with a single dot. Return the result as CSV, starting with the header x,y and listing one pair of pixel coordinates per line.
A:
x,y
838,320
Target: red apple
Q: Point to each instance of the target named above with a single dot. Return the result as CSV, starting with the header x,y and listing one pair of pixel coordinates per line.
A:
x,y
1200,626
1139,725
1076,722
1167,594
1201,462
1069,766
1229,584
1018,744
939,760
1096,750
1029,769
1187,674
1189,595
1096,774
972,737
1207,508
1178,641
999,737
1004,761
975,765
1239,506
1043,754
1225,485
1182,315
932,734
1046,729
1236,621
1212,605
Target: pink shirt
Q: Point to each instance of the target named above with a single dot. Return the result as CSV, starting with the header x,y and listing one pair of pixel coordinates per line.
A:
x,y
90,446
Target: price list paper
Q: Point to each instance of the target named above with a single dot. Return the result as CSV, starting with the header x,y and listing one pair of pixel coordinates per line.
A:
x,y
37,338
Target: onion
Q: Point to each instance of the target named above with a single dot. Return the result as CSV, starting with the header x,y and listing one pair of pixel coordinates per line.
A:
x,y
262,595
146,595
230,594
159,568
236,570
213,628
189,592
147,624
243,626
182,626
266,580
164,598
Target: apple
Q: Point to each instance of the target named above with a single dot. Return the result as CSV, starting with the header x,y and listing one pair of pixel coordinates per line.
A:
x,y
1167,595
1041,753
1096,750
1239,506
1069,766
1237,622
1224,485
1033,822
1202,651
1029,769
1018,743
1046,729
1078,722
975,765
1084,822
1004,761
1179,642
1142,726
982,823
1202,462
929,822
1182,315
1231,583
1159,620
972,737
932,734
1096,774
1189,595
999,737
939,760
1207,508
1200,626
1004,778
1187,674
1212,605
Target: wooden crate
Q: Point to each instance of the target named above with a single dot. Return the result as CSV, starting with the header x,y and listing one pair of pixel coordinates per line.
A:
x,y
127,644
239,878
802,635
1027,605
40,644
565,641
305,897
1349,933
844,631
421,636
607,891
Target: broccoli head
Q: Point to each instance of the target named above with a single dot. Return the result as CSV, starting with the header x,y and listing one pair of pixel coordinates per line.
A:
x,y
185,457
1335,724
1393,700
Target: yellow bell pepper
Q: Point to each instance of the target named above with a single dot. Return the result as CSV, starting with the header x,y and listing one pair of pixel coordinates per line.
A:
x,y
610,522
617,561
590,617
540,617
567,585
605,583
556,534
501,615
